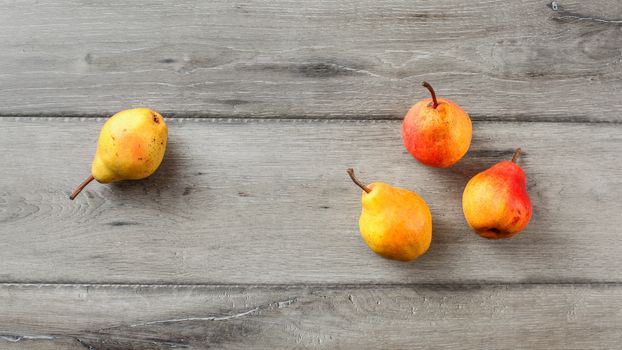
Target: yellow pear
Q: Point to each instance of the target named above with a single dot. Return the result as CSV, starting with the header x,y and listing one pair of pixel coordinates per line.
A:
x,y
131,146
395,223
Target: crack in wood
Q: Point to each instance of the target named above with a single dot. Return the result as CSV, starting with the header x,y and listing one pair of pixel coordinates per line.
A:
x,y
18,338
89,337
564,14
188,319
83,340
102,338
84,344
277,304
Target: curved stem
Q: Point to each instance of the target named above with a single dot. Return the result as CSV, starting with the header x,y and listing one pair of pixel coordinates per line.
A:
x,y
81,187
429,87
357,182
516,155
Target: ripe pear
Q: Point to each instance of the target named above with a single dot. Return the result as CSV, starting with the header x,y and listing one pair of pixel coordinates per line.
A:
x,y
495,202
395,223
131,146
437,132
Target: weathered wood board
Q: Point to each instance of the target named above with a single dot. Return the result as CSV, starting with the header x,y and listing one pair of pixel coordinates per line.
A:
x,y
268,201
357,317
247,236
502,60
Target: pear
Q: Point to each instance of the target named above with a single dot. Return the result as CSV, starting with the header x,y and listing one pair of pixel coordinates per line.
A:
x,y
395,223
437,132
131,146
495,202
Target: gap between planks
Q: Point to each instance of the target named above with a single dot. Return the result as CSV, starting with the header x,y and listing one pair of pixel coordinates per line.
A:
x,y
326,286
215,117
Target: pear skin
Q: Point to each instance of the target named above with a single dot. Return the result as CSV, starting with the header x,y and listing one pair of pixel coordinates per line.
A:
x,y
395,223
496,203
131,146
437,132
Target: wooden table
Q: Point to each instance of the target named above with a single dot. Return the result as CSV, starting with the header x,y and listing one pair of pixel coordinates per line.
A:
x,y
247,236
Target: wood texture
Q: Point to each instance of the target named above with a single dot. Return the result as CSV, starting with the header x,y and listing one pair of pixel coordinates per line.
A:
x,y
422,317
247,236
268,201
501,60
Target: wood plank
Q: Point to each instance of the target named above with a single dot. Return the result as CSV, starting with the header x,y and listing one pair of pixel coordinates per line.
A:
x,y
268,201
512,60
422,317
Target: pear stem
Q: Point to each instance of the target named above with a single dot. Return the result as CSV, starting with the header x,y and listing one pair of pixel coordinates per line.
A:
x,y
357,182
429,87
81,187
516,155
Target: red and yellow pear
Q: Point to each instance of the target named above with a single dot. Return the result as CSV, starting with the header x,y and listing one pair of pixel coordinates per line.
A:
x,y
131,146
495,202
395,223
437,132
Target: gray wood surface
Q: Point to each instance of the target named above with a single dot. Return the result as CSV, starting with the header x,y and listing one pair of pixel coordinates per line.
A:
x,y
269,201
247,236
357,317
501,60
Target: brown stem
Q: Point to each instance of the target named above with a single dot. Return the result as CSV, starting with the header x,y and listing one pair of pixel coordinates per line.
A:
x,y
81,187
516,155
357,182
429,87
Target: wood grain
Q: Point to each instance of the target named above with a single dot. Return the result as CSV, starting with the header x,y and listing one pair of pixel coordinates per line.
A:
x,y
268,201
198,317
510,60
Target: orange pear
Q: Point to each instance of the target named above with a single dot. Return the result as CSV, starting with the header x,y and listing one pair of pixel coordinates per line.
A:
x,y
495,202
395,223
437,132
